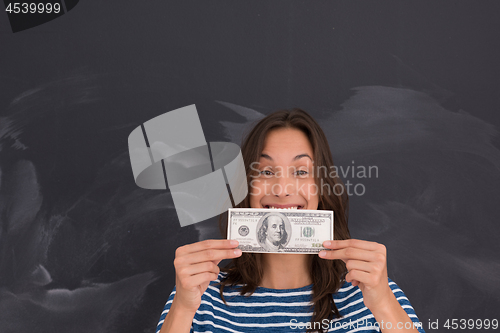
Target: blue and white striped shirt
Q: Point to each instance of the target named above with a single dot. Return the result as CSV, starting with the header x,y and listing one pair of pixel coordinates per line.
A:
x,y
284,310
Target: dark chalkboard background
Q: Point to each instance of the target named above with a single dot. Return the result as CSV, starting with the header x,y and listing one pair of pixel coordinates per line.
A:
x,y
410,87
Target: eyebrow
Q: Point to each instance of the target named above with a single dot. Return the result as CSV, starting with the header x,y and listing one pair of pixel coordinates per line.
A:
x,y
294,159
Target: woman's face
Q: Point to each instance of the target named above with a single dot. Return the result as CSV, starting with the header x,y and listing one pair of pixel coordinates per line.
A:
x,y
284,172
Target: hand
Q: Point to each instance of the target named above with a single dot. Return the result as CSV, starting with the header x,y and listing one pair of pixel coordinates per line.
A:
x,y
196,265
367,266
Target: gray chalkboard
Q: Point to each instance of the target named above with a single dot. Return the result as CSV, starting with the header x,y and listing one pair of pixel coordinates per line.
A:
x,y
410,88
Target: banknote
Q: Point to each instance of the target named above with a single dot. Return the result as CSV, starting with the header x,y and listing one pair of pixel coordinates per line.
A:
x,y
280,230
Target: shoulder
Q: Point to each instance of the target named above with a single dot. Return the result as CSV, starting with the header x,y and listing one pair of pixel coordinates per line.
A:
x,y
347,290
402,299
349,301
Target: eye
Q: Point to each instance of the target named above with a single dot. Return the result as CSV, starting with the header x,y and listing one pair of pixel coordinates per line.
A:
x,y
266,173
302,173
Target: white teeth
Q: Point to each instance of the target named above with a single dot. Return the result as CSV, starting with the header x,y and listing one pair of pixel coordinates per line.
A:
x,y
272,207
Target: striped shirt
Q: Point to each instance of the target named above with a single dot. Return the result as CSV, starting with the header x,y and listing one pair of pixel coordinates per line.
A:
x,y
284,310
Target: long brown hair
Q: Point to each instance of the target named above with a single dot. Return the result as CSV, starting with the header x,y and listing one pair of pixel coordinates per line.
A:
x,y
327,275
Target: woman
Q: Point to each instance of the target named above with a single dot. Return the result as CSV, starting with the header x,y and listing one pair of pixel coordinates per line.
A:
x,y
288,162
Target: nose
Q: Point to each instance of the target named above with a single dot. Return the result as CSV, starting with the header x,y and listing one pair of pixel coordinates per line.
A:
x,y
284,186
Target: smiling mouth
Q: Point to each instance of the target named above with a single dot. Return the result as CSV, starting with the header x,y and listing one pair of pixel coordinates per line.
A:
x,y
286,207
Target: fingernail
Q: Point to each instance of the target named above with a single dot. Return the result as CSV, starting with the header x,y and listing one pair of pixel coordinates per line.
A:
x,y
237,252
327,243
233,242
322,254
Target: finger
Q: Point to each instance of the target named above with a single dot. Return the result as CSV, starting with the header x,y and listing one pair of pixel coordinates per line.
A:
x,y
350,254
211,255
190,270
359,265
360,276
356,243
206,244
198,279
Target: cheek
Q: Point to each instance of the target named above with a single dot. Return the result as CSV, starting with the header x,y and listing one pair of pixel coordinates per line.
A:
x,y
256,192
309,189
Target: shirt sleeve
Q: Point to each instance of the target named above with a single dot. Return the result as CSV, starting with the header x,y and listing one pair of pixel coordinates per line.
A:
x,y
405,304
166,308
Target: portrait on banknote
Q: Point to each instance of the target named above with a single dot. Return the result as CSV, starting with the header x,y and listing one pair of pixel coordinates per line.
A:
x,y
274,231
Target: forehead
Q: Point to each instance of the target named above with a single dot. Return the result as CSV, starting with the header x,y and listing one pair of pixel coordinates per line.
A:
x,y
286,143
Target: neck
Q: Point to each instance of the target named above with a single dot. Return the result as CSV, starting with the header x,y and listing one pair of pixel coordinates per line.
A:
x,y
285,271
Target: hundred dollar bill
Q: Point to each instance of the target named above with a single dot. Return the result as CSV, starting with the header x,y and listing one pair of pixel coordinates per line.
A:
x,y
280,230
